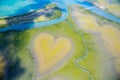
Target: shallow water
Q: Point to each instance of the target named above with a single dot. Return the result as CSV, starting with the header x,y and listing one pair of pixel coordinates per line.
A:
x,y
36,4
17,7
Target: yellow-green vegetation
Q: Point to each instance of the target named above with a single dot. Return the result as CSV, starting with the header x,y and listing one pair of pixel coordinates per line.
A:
x,y
49,12
107,30
19,42
100,20
49,16
41,18
3,23
56,13
49,50
113,8
2,66
84,63
89,63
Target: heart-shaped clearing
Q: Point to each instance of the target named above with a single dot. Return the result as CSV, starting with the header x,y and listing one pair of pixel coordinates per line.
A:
x,y
50,50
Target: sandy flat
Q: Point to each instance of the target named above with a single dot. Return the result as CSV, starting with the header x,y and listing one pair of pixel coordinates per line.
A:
x,y
113,8
111,37
41,18
109,34
2,22
50,50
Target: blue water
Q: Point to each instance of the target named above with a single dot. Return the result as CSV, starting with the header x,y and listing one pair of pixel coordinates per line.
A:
x,y
98,11
63,4
17,7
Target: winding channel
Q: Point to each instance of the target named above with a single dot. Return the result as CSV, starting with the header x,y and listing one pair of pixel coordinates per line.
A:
x,y
85,53
63,4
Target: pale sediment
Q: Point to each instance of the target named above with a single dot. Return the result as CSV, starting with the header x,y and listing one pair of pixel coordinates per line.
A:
x,y
107,37
49,51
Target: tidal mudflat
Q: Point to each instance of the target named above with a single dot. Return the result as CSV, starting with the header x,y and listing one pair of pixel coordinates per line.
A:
x,y
106,33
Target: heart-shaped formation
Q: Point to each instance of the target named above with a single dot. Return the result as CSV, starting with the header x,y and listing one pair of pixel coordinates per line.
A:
x,y
49,50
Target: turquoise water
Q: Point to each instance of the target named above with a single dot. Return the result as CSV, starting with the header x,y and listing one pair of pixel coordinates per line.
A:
x,y
63,4
17,7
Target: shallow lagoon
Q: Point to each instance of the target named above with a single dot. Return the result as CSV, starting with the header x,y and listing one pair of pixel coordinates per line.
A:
x,y
63,4
17,7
